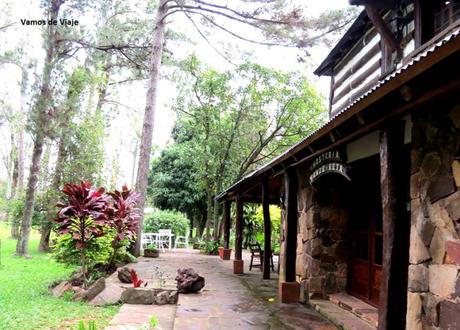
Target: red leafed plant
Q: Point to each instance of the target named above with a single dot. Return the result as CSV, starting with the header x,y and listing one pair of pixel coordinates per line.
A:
x,y
123,213
124,218
135,279
83,215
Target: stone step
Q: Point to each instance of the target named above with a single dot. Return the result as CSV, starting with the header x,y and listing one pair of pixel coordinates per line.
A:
x,y
339,316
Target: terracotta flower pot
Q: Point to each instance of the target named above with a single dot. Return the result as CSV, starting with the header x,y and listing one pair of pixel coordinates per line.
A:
x,y
226,254
221,252
151,253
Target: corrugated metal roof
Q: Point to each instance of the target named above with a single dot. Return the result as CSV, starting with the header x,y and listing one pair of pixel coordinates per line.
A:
x,y
417,58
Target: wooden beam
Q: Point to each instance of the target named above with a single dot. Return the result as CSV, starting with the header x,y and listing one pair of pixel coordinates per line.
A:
x,y
453,86
356,82
267,229
360,118
361,62
381,27
239,229
393,289
291,183
227,224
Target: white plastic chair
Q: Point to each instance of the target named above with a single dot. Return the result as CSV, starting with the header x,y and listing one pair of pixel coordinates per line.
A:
x,y
181,240
146,239
164,238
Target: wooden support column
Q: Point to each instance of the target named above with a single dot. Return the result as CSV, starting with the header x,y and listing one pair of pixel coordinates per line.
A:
x,y
395,218
238,265
290,289
227,224
267,229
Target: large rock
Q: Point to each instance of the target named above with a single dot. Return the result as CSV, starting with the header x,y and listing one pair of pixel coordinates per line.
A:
x,y
142,296
111,295
62,287
438,246
443,279
425,228
431,308
449,313
166,297
124,275
418,278
456,172
453,251
452,205
188,281
91,292
441,219
138,296
430,164
418,253
414,311
441,186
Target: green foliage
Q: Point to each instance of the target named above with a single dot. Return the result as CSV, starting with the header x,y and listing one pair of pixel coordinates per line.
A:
x,y
15,209
211,247
160,219
258,220
26,303
173,182
231,122
153,321
91,325
98,251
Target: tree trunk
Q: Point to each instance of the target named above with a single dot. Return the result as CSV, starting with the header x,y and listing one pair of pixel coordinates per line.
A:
x,y
15,228
44,245
13,164
149,115
22,247
209,213
42,108
20,186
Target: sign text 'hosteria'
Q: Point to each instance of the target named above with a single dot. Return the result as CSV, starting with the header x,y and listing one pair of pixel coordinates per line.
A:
x,y
329,162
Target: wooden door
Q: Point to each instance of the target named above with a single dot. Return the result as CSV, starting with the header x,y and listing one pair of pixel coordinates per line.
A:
x,y
366,239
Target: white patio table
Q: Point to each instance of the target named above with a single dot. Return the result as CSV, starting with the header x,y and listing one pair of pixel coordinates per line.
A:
x,y
164,236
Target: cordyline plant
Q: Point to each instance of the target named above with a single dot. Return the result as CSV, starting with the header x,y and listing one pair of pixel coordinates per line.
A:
x,y
123,217
83,216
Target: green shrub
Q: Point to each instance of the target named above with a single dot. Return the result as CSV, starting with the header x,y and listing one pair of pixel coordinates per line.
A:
x,y
166,220
211,247
258,220
98,251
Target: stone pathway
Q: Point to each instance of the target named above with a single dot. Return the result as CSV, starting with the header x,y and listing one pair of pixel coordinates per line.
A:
x,y
226,302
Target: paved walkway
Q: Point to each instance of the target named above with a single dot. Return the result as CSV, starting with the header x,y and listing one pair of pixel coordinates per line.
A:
x,y
226,302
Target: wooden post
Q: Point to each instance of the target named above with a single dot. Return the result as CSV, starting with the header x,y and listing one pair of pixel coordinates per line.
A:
x,y
226,224
267,229
291,219
238,262
393,290
289,290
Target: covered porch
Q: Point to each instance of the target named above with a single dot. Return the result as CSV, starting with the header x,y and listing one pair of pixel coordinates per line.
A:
x,y
345,192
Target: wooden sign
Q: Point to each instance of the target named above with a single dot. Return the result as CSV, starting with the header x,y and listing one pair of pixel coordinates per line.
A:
x,y
329,162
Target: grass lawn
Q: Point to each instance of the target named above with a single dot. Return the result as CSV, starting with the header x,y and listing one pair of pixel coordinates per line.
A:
x,y
24,299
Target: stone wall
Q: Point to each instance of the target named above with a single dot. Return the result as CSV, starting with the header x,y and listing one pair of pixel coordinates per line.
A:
x,y
434,285
321,264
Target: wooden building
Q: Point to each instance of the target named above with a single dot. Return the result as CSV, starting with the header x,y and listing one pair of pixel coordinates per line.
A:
x,y
371,200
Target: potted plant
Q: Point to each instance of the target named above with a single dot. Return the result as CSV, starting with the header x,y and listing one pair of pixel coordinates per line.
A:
x,y
151,251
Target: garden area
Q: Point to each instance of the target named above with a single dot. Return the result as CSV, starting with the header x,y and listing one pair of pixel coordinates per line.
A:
x,y
24,295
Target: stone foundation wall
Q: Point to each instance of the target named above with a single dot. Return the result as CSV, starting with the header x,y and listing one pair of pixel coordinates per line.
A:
x,y
433,281
321,264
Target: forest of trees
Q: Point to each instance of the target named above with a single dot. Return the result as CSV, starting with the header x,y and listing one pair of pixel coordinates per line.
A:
x,y
228,120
